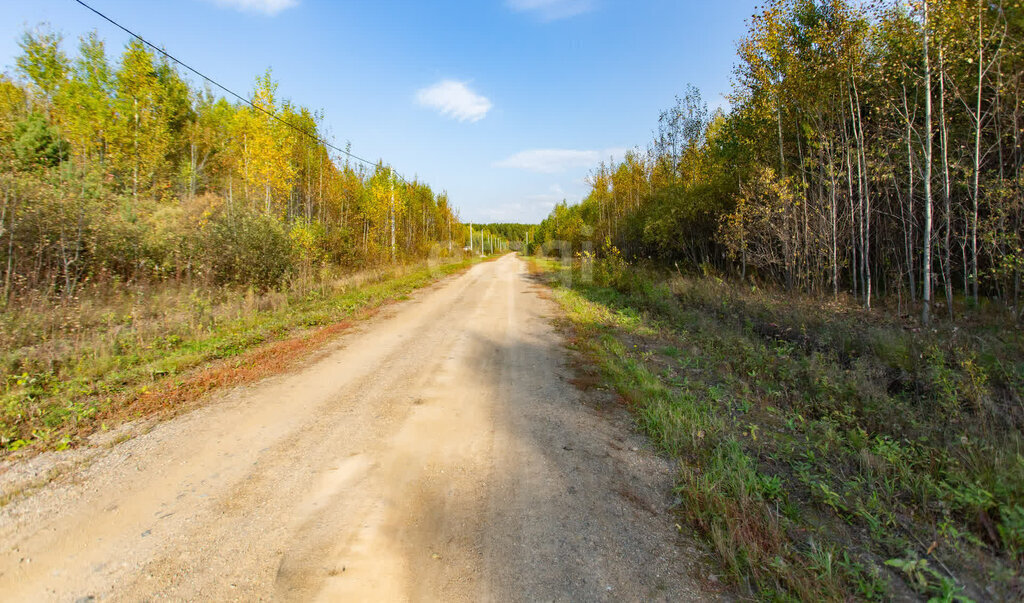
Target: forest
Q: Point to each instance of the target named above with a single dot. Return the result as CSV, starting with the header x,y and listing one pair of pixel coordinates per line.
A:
x,y
516,234
125,171
873,150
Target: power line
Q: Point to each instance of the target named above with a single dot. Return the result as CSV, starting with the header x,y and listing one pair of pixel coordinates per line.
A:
x,y
235,94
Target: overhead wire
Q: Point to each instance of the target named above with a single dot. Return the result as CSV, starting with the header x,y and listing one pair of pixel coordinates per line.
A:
x,y
235,94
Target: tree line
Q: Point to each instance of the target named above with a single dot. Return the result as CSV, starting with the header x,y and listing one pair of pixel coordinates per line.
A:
x,y
516,235
871,148
126,171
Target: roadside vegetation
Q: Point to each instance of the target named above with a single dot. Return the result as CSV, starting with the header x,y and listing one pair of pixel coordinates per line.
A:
x,y
825,453
115,354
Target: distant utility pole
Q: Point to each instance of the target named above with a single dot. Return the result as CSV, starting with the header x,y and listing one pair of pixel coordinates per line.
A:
x,y
471,237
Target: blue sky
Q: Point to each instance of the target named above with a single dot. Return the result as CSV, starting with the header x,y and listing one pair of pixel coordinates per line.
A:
x,y
506,104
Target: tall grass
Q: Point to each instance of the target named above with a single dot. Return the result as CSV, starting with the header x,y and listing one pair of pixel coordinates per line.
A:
x,y
67,361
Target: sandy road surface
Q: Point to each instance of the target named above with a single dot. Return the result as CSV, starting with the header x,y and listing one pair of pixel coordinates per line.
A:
x,y
439,452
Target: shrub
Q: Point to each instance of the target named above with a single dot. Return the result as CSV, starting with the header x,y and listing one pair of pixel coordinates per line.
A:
x,y
36,143
248,248
611,268
308,238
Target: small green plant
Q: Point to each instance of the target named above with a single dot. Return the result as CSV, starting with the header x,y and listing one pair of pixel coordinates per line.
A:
x,y
926,580
1011,528
771,487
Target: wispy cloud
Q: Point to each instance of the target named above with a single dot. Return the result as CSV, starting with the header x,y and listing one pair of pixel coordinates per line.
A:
x,y
552,161
551,10
554,194
535,207
517,211
454,99
266,7
532,208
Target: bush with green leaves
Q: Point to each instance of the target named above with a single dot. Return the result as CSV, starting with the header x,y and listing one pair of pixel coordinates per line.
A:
x,y
37,143
245,247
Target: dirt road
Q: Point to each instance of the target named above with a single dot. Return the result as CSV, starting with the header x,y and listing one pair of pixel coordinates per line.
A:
x,y
439,452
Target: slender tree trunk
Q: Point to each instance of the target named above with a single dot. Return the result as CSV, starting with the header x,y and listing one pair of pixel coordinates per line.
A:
x,y
865,200
782,156
977,163
859,231
909,227
394,252
3,212
965,264
135,166
926,296
245,168
833,217
805,234
944,143
853,213
10,249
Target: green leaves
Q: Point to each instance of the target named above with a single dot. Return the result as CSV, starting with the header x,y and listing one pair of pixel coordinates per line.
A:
x,y
42,61
37,143
249,248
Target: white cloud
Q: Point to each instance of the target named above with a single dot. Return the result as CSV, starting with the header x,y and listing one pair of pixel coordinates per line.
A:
x,y
532,209
551,10
552,161
454,99
517,212
554,194
266,7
